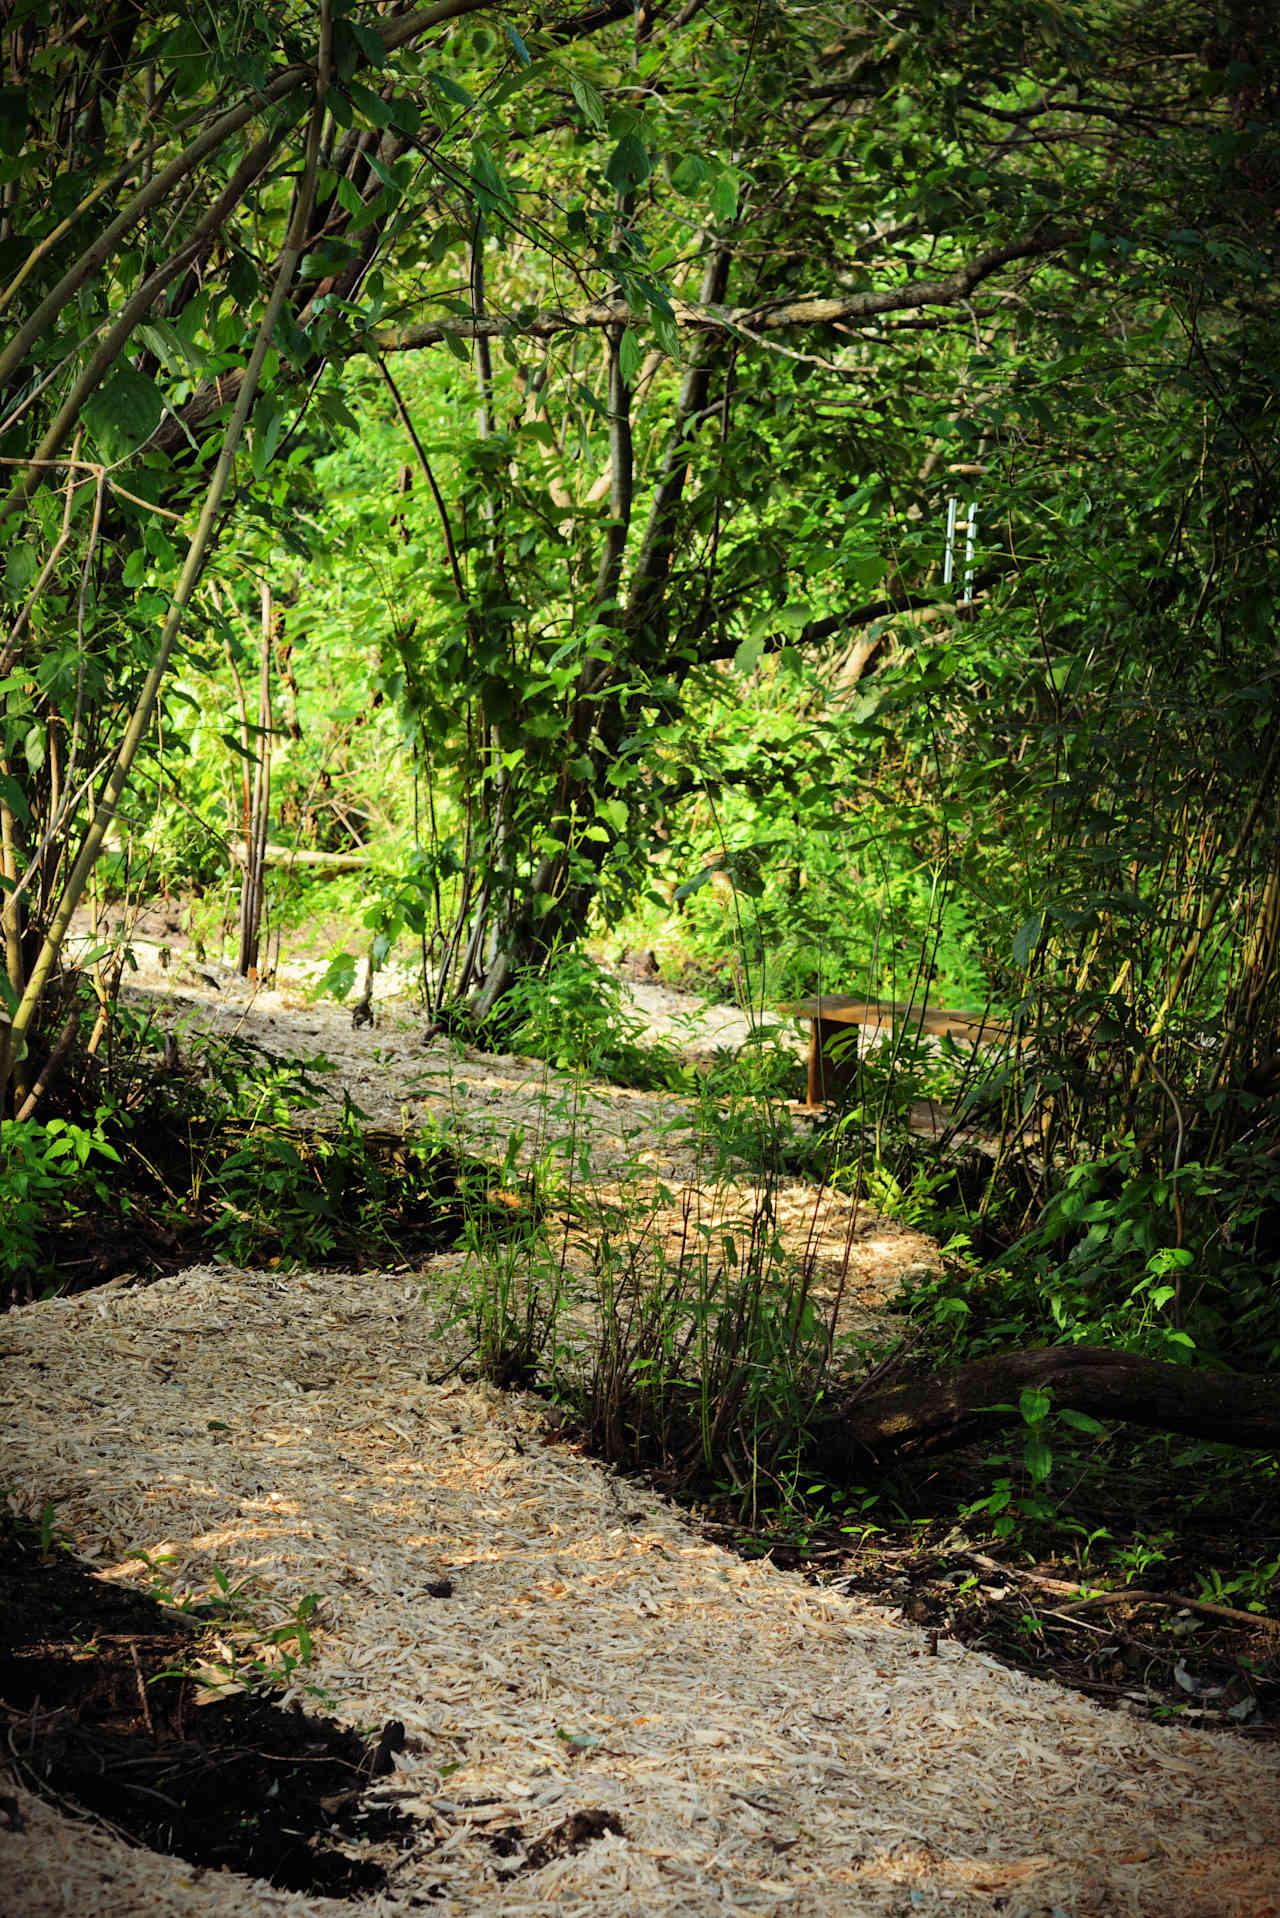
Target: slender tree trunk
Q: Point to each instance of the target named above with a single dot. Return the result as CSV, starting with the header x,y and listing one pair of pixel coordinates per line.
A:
x,y
253,885
108,800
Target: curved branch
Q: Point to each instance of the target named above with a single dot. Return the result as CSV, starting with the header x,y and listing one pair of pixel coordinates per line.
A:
x,y
708,317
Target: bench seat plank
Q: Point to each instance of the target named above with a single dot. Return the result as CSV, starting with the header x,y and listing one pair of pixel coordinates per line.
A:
x,y
831,1013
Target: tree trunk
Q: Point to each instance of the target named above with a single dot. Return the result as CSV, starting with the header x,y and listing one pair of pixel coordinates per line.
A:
x,y
950,1409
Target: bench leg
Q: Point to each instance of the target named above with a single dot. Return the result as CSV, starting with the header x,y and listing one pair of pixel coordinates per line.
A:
x,y
828,1076
815,1094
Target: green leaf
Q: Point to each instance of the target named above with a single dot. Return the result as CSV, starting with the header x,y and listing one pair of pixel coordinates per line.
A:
x,y
668,335
20,569
374,108
1027,938
163,339
1170,1259
123,414
724,196
265,442
1034,1403
701,878
242,282
518,46
406,117
15,799
630,355
1038,1459
1082,1422
158,544
687,174
451,90
346,53
490,187
866,571
747,656
369,43
628,165
590,102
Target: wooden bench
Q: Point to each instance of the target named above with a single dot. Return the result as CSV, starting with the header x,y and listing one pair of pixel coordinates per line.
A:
x,y
831,1014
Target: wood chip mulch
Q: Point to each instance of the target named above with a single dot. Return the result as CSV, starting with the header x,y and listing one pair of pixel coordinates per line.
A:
x,y
603,1713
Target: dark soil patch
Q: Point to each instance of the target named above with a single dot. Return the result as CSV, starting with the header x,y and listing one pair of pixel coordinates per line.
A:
x,y
571,1834
1155,1655
100,1718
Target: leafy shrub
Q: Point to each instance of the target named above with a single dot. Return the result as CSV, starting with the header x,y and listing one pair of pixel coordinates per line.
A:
x,y
573,1016
46,1169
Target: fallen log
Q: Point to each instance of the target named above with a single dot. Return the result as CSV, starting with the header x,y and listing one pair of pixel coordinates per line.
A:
x,y
298,856
950,1409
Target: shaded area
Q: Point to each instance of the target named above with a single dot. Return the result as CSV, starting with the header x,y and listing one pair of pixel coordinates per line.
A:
x,y
1157,1614
321,1196
1154,1655
101,1717
947,1409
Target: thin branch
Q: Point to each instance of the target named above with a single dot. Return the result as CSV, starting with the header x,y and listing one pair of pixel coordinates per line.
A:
x,y
446,526
706,316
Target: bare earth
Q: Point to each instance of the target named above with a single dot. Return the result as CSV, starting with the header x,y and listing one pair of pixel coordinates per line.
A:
x,y
764,1746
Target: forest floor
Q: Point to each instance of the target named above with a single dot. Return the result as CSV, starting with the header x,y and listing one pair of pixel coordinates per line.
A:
x,y
533,1685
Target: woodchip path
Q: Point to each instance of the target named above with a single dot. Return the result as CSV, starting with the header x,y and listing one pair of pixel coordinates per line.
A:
x,y
761,1744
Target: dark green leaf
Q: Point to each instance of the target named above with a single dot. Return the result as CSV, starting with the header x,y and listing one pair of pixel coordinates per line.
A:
x,y
1082,1422
628,165
20,569
590,102
123,414
369,43
13,118
1027,938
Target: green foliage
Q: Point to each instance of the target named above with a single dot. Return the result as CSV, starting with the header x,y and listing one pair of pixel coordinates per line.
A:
x,y
573,1017
50,1169
339,1194
1175,1264
251,1652
561,609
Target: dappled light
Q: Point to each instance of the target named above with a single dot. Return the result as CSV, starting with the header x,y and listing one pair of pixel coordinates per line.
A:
x,y
640,957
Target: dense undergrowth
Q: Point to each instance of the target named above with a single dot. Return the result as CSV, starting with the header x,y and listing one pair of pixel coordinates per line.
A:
x,y
210,1154
704,1353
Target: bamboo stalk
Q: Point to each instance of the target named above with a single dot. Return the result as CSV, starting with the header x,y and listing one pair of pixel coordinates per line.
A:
x,y
197,553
